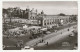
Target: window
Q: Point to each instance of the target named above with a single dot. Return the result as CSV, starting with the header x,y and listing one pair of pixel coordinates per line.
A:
x,y
33,17
44,23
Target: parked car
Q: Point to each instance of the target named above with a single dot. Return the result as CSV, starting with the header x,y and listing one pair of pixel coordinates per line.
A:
x,y
19,43
75,48
27,48
71,35
48,32
55,30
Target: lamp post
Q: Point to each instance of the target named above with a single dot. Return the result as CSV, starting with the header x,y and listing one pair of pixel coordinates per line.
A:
x,y
10,13
21,14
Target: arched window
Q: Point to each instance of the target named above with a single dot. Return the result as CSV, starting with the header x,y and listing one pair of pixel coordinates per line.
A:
x,y
33,17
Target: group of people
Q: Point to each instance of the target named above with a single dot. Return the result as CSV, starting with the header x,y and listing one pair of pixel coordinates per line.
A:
x,y
42,41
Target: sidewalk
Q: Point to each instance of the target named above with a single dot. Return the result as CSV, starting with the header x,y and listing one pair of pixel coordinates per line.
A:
x,y
33,42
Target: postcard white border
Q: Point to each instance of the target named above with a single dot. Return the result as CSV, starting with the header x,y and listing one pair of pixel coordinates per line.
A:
x,y
39,50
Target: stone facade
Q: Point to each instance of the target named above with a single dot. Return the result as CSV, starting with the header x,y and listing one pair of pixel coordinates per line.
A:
x,y
41,19
54,20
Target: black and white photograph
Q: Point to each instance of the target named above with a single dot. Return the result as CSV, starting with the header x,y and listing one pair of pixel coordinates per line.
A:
x,y
39,25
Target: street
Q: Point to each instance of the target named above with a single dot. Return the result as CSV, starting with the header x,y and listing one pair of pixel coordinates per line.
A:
x,y
53,38
57,45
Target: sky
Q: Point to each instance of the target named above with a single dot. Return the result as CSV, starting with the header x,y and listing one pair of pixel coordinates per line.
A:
x,y
49,7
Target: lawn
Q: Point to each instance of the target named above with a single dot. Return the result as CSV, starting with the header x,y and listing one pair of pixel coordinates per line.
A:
x,y
12,41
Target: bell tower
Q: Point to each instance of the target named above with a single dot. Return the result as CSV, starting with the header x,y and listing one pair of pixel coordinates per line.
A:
x,y
42,12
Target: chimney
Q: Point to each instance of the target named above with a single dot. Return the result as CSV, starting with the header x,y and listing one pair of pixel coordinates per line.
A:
x,y
36,10
32,9
42,12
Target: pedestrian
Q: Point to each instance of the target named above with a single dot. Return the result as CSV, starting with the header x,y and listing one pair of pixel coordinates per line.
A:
x,y
42,40
68,29
47,44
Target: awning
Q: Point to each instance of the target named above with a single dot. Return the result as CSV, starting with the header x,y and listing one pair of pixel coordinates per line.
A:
x,y
36,27
44,29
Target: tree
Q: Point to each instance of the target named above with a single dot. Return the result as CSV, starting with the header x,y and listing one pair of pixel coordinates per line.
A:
x,y
5,11
73,18
61,14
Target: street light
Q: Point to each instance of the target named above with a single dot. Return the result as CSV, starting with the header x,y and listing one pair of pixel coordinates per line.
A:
x,y
10,13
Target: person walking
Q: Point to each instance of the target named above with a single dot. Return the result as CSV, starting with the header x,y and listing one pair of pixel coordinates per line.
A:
x,y
68,29
42,40
47,44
